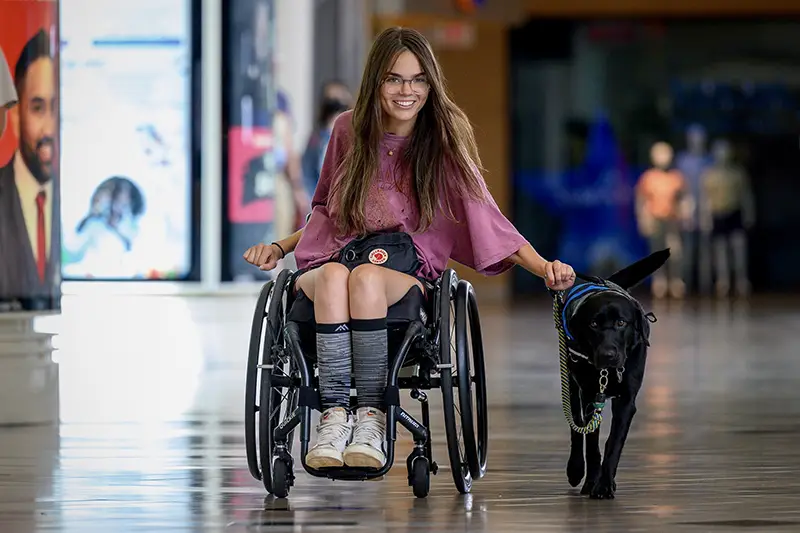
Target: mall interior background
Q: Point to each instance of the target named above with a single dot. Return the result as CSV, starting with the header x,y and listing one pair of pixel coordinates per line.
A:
x,y
545,88
200,104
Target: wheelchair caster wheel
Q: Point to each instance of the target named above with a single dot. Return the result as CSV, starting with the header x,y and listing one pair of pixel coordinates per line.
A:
x,y
282,478
420,477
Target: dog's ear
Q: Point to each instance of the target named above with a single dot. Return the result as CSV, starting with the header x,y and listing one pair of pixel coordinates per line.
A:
x,y
642,329
632,275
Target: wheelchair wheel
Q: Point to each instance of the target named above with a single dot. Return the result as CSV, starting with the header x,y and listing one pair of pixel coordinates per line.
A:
x,y
456,448
420,477
471,384
282,478
270,361
254,360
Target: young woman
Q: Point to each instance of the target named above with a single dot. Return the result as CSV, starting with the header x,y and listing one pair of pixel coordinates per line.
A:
x,y
403,161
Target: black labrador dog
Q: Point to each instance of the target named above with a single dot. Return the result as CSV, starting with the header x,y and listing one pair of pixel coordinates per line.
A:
x,y
607,329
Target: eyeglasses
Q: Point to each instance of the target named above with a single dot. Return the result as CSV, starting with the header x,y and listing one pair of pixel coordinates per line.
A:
x,y
394,84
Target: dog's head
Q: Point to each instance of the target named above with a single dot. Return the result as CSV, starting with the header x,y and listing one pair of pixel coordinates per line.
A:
x,y
607,327
611,323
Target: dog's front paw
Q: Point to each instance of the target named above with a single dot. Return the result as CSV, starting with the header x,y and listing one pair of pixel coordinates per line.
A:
x,y
588,487
604,489
576,467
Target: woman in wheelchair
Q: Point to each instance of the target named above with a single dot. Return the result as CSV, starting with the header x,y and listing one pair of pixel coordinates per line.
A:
x,y
400,194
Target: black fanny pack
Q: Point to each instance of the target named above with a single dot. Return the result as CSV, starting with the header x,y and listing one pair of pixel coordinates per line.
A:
x,y
395,251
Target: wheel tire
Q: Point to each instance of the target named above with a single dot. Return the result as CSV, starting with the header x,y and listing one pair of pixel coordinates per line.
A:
x,y
254,359
281,483
459,465
270,397
473,406
420,477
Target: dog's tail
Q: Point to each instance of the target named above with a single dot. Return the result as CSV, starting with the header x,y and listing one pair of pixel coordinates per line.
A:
x,y
634,274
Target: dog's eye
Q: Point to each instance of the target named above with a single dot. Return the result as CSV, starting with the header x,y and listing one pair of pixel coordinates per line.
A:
x,y
621,323
592,324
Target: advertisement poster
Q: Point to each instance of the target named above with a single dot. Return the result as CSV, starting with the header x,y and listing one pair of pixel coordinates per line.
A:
x,y
252,114
126,104
30,268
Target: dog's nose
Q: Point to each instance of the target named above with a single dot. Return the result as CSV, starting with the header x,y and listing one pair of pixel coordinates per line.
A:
x,y
609,355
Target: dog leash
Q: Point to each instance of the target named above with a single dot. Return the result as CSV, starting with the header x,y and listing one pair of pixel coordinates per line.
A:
x,y
563,353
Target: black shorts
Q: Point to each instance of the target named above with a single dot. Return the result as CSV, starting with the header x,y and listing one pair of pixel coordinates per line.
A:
x,y
428,285
726,224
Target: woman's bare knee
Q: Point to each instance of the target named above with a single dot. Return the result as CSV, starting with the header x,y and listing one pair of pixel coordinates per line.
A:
x,y
333,274
374,289
367,292
326,286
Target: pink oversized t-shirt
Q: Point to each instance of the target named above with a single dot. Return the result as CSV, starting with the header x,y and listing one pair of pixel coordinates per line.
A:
x,y
480,237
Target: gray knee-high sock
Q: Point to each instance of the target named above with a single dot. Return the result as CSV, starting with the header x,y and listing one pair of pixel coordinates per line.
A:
x,y
370,361
334,358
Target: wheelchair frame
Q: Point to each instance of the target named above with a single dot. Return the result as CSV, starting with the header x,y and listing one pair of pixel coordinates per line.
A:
x,y
276,357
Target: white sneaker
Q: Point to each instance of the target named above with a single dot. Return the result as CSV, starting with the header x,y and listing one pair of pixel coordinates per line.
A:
x,y
333,433
369,437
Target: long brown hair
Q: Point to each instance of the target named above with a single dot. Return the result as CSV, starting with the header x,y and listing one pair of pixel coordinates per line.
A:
x,y
441,155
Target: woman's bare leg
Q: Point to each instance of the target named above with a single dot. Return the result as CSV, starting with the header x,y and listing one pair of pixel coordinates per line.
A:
x,y
326,286
372,290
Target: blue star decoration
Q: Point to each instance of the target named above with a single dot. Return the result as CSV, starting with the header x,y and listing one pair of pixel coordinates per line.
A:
x,y
594,202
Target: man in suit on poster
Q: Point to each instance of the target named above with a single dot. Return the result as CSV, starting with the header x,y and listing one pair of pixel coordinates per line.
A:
x,y
29,212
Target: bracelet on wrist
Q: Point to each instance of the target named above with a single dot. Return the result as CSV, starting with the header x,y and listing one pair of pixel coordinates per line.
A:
x,y
283,252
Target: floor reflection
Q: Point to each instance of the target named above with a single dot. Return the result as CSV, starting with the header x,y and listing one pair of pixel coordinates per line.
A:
x,y
151,436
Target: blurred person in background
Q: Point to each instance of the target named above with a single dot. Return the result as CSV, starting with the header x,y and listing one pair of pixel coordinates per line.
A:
x,y
727,212
8,94
663,203
692,163
336,99
291,200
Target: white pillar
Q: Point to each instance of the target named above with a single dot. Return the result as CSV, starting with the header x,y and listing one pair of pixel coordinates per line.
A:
x,y
211,157
28,375
295,62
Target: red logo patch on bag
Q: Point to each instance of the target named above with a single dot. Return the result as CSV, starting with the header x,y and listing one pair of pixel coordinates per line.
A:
x,y
378,256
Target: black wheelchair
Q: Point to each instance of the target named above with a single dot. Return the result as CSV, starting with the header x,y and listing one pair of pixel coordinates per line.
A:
x,y
437,344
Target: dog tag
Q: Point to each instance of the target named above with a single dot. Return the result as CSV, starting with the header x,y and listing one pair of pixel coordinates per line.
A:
x,y
599,400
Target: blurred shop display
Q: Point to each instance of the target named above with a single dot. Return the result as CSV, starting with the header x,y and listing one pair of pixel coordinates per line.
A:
x,y
593,199
255,119
127,101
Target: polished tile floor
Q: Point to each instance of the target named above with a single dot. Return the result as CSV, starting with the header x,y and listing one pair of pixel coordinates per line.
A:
x,y
151,436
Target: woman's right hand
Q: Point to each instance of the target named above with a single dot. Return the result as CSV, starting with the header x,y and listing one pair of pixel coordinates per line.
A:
x,y
264,256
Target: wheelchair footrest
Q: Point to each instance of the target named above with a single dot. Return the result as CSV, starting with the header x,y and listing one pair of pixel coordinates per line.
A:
x,y
351,473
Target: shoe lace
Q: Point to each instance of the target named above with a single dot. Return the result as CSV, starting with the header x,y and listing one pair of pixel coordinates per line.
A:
x,y
368,431
332,432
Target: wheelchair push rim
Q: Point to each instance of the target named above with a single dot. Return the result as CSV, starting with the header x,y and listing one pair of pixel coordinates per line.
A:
x,y
471,377
458,441
254,361
268,359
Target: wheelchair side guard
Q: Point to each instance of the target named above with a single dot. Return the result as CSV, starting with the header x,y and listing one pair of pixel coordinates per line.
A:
x,y
392,395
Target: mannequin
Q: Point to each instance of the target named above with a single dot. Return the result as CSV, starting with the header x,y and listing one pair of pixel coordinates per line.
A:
x,y
727,212
692,163
662,207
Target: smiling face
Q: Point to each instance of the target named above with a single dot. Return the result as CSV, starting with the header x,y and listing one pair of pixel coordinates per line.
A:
x,y
403,93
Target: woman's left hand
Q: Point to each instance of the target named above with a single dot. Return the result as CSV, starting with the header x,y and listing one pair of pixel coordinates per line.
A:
x,y
558,276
